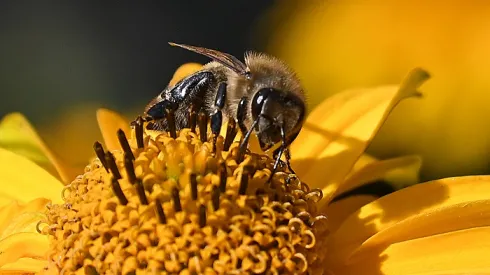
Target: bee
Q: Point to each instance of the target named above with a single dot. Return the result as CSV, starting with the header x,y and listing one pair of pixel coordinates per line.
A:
x,y
262,95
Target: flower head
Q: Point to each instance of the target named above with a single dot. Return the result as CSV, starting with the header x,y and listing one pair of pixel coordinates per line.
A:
x,y
183,205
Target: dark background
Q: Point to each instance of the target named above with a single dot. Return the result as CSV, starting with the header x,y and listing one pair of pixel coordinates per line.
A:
x,y
57,54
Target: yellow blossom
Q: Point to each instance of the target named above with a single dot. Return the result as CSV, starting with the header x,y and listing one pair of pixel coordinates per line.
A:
x,y
150,203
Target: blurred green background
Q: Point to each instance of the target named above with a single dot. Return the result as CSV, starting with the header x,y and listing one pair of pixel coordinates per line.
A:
x,y
61,60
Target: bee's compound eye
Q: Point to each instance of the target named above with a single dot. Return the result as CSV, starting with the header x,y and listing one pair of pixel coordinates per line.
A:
x,y
258,101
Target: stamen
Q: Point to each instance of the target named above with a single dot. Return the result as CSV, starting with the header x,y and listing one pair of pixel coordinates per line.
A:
x,y
230,134
140,189
193,186
223,176
216,121
99,152
139,132
111,163
243,183
128,164
90,270
176,199
202,216
124,143
202,119
192,118
116,187
215,198
171,122
159,209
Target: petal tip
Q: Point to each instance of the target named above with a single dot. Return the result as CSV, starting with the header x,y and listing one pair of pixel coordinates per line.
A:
x,y
414,79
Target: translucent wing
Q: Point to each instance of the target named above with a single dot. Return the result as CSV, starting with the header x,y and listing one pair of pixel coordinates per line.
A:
x,y
225,59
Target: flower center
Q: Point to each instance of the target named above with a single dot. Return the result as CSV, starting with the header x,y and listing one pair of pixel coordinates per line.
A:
x,y
184,203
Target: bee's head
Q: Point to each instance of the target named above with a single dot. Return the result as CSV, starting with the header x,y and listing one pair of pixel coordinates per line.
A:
x,y
280,116
278,100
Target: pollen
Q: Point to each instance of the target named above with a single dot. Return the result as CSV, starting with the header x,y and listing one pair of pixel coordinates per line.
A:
x,y
184,203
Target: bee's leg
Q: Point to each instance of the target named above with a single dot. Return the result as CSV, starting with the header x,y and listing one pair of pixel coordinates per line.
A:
x,y
230,134
244,142
231,130
278,153
278,159
192,120
287,154
217,116
241,115
202,121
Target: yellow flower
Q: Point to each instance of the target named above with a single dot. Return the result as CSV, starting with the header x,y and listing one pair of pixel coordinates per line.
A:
x,y
152,202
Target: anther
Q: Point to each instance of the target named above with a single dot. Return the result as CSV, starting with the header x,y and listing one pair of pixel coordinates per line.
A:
x,y
140,189
202,216
159,210
202,119
99,151
90,269
171,122
193,187
176,199
139,132
128,163
116,187
216,121
230,134
192,118
111,163
215,198
243,183
124,143
222,178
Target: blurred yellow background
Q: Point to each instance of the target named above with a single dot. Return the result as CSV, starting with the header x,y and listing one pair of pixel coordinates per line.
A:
x,y
335,45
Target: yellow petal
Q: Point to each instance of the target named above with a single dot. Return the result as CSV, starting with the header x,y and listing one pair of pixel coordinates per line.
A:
x,y
415,212
183,71
337,132
24,181
338,211
109,122
402,172
23,245
17,217
23,266
361,162
18,135
459,252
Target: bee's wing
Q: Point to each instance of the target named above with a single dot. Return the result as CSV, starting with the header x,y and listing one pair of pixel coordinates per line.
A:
x,y
225,59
